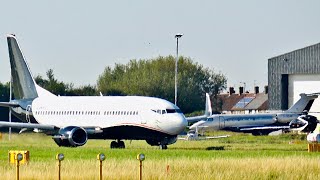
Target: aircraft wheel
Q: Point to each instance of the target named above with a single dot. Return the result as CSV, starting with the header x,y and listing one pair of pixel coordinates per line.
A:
x,y
113,145
121,145
163,146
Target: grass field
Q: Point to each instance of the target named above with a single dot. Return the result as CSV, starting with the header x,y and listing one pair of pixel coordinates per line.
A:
x,y
244,157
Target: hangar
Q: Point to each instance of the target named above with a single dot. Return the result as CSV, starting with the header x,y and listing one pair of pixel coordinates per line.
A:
x,y
293,73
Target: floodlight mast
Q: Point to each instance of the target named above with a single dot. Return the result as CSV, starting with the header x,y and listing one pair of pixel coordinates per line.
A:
x,y
177,36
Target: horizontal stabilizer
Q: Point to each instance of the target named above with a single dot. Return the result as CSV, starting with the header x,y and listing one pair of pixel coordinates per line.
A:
x,y
26,125
9,104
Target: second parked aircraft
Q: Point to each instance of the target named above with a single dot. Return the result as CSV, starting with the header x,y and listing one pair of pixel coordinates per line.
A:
x,y
257,124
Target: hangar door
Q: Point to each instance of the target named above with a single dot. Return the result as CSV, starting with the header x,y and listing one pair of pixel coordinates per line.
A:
x,y
304,83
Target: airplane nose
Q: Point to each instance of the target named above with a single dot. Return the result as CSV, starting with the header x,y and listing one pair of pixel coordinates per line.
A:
x,y
180,124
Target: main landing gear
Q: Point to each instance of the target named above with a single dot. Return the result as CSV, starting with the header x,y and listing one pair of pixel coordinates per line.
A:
x,y
117,145
163,146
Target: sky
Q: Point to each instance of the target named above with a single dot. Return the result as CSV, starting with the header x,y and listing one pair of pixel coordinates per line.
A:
x,y
78,39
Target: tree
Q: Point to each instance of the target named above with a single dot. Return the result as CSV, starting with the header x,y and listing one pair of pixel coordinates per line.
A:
x,y
64,89
87,90
155,77
4,97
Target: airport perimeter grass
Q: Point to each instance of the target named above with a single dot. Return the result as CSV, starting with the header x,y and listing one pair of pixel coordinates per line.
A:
x,y
244,157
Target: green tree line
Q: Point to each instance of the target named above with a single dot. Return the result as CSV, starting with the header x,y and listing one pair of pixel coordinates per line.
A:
x,y
155,77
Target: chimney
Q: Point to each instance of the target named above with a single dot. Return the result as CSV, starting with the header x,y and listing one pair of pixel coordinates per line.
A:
x,y
240,90
266,89
231,91
256,89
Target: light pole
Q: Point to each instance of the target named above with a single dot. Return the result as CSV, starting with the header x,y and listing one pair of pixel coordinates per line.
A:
x,y
10,98
177,36
59,157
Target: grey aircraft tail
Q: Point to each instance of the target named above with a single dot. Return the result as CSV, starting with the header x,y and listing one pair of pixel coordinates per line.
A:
x,y
303,104
24,86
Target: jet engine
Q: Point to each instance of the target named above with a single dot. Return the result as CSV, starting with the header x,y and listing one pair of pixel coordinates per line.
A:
x,y
71,136
304,123
165,141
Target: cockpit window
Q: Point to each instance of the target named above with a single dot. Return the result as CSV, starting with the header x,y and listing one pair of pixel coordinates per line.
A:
x,y
162,111
171,110
210,119
174,111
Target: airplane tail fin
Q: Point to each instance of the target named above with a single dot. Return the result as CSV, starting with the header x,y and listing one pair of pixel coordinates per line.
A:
x,y
208,111
23,84
303,104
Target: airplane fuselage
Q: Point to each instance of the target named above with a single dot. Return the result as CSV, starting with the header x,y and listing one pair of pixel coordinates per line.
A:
x,y
108,117
236,122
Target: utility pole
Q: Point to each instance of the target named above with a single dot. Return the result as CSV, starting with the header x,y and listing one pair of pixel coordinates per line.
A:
x,y
177,36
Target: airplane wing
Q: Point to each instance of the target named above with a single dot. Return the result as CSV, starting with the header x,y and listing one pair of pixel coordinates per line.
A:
x,y
217,137
265,128
200,138
9,104
21,125
196,118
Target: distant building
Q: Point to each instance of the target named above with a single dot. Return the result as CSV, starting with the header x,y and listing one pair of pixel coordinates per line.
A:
x,y
243,103
293,73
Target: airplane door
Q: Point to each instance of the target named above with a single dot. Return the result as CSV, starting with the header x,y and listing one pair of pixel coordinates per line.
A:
x,y
221,122
143,117
28,113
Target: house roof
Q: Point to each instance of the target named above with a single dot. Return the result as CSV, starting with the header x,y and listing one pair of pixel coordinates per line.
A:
x,y
257,102
228,101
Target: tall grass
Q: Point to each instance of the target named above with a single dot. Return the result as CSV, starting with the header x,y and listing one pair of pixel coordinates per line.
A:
x,y
244,157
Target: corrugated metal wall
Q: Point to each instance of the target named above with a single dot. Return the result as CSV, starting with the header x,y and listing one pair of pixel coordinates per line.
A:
x,y
301,61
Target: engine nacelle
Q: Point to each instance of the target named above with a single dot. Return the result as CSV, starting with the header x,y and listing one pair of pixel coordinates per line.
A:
x,y
165,141
71,136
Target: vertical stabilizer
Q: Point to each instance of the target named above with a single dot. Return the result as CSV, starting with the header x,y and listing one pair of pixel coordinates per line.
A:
x,y
23,84
304,103
208,111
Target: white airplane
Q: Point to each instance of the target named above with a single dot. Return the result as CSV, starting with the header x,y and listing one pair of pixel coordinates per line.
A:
x,y
74,120
260,123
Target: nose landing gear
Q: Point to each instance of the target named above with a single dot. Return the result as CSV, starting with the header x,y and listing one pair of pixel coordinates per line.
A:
x,y
163,146
117,145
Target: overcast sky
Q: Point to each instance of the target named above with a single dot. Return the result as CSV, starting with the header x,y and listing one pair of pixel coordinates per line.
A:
x,y
78,39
